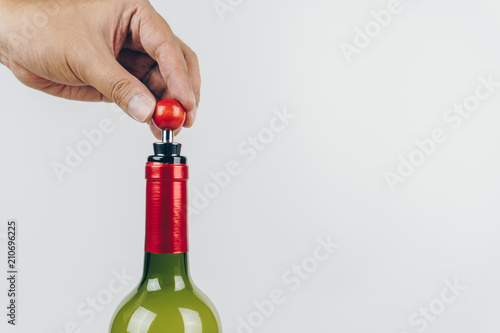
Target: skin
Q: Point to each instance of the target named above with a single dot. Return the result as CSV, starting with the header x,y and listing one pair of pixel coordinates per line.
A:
x,y
99,50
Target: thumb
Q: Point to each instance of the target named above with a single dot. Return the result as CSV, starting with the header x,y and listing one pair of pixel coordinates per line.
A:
x,y
124,89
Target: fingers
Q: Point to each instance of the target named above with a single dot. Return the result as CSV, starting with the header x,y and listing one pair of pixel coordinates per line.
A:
x,y
157,132
86,94
136,63
77,93
154,81
121,87
143,67
158,40
193,68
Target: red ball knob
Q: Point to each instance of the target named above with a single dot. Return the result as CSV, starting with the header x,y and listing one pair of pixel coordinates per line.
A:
x,y
169,115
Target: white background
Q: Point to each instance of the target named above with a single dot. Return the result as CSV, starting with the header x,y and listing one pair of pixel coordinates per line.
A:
x,y
321,176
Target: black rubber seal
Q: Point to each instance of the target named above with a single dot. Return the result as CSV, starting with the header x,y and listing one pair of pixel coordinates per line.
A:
x,y
168,153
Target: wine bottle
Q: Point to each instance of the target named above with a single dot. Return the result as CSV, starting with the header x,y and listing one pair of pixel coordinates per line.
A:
x,y
166,300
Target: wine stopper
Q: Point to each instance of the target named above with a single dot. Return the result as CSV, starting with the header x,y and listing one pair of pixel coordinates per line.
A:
x,y
169,116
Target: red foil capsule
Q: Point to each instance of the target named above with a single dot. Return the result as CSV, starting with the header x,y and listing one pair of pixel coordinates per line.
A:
x,y
166,208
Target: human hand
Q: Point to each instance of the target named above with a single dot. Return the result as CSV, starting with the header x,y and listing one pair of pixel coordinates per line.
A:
x,y
119,51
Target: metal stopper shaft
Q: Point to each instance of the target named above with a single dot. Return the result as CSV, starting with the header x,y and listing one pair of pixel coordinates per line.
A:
x,y
167,136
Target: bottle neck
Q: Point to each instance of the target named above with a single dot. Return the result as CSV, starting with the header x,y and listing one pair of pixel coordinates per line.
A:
x,y
166,208
166,262
166,272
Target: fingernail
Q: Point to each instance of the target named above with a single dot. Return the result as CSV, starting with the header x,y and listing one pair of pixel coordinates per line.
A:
x,y
140,107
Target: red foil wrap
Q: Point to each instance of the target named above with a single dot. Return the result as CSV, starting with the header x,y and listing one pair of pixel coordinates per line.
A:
x,y
166,208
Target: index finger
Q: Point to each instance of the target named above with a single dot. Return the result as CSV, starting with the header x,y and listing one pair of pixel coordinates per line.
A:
x,y
160,43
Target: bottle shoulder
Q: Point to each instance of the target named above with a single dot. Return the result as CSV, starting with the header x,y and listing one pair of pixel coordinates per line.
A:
x,y
151,311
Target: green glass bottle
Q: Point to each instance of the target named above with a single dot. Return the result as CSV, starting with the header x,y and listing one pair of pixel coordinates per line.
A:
x,y
166,300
